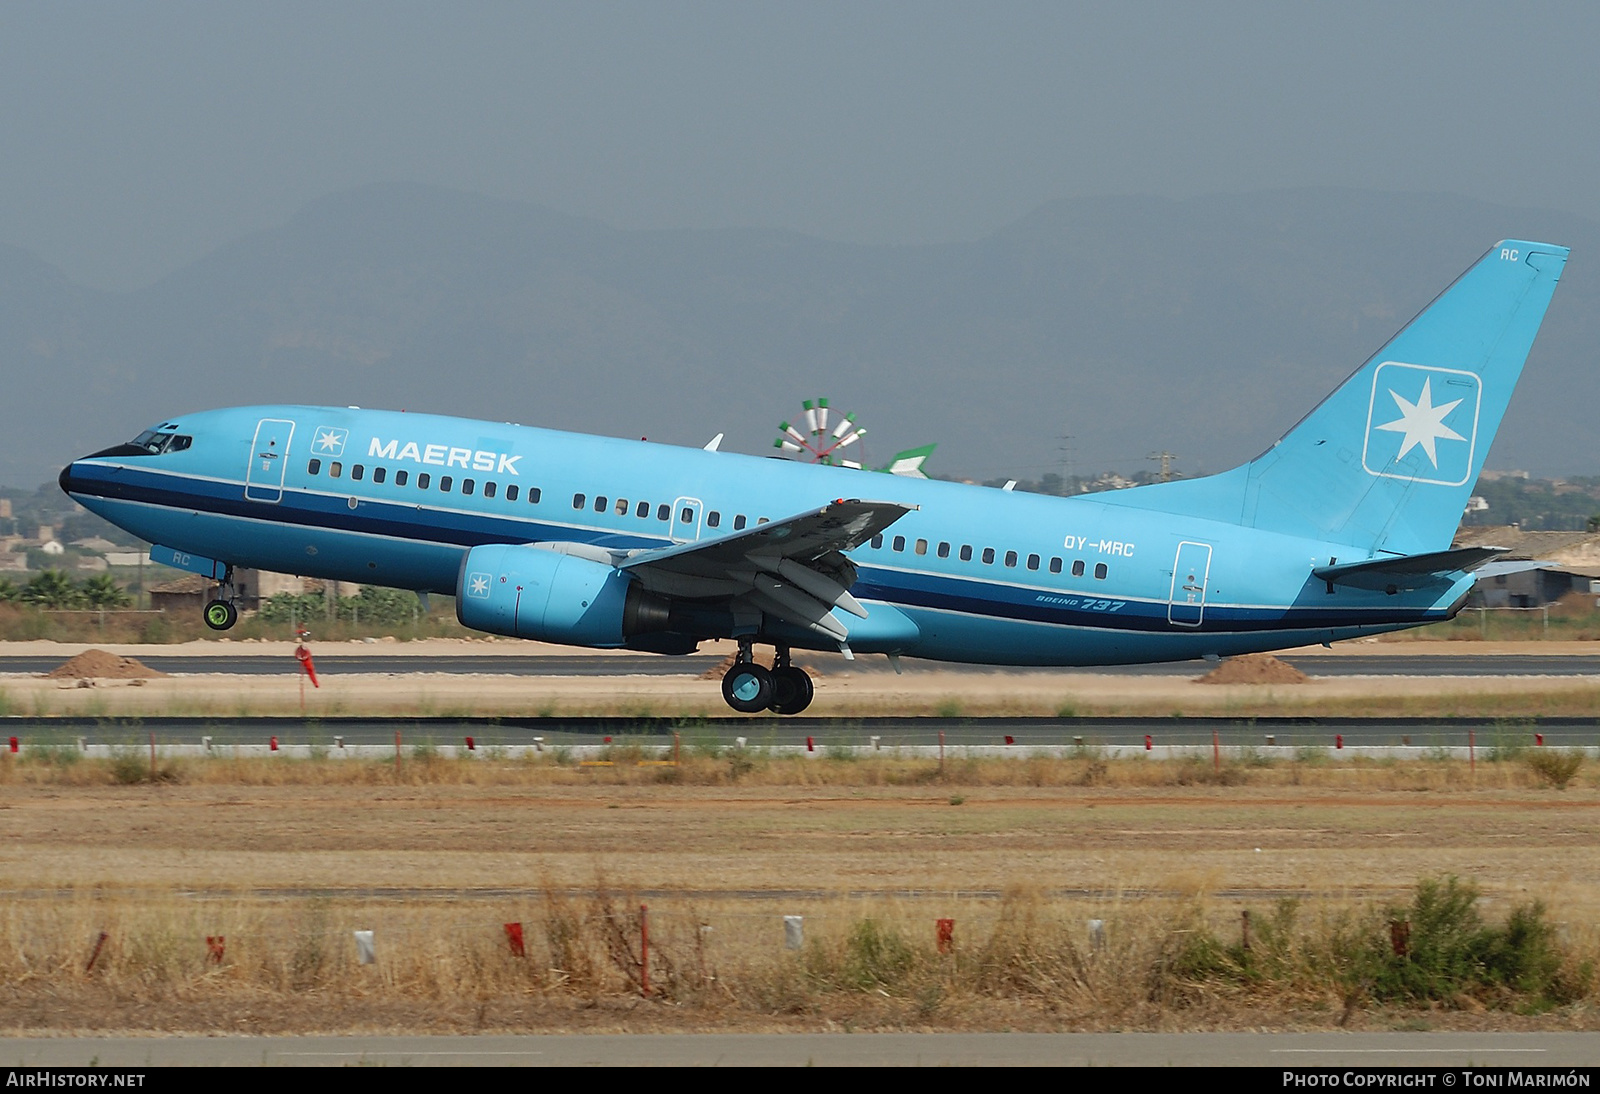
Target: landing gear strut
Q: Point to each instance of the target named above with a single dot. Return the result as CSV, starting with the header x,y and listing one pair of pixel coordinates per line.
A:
x,y
220,614
750,688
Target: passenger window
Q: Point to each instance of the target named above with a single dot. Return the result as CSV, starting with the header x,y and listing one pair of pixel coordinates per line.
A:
x,y
400,478
643,510
357,471
444,483
512,492
663,512
314,467
335,469
761,520
966,552
379,474
423,479
533,495
988,556
1077,567
713,519
687,516
877,543
1011,558
578,501
1055,565
489,489
922,547
944,550
600,503
739,522
467,486
899,543
1033,562
622,507
1100,571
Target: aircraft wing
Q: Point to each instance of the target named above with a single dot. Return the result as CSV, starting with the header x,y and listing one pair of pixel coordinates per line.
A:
x,y
794,568
1407,571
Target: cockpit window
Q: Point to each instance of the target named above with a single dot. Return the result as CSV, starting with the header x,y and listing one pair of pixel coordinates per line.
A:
x,y
156,442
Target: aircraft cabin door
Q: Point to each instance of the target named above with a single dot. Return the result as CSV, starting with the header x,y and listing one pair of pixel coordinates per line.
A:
x,y
1186,606
269,460
686,520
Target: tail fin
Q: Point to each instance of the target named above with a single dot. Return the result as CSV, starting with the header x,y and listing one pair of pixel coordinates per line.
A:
x,y
1387,462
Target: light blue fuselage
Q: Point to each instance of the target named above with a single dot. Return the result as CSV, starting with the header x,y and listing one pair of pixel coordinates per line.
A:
x,y
1091,580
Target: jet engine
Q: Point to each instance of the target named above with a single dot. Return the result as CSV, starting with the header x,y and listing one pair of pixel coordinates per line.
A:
x,y
533,592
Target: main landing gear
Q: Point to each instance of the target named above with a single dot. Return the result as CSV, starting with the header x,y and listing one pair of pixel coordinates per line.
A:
x,y
219,613
750,688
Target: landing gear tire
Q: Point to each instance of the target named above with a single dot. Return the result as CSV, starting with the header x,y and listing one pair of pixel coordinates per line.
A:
x,y
220,615
748,687
791,690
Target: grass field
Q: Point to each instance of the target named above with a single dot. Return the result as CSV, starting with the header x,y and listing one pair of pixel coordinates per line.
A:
x,y
285,860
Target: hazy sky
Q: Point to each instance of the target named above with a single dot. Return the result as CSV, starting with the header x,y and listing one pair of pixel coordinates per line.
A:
x,y
135,137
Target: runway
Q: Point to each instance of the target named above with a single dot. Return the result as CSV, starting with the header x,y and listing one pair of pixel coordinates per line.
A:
x,y
856,734
335,660
1266,1050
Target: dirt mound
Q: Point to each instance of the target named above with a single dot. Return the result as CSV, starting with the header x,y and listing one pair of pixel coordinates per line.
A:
x,y
764,660
1254,668
98,664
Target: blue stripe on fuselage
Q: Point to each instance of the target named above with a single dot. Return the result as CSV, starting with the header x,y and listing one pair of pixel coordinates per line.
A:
x,y
302,509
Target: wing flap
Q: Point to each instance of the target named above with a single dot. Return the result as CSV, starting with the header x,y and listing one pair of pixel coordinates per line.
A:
x,y
793,569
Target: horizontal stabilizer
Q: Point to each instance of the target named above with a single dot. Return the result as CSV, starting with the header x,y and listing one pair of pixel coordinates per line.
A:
x,y
1407,571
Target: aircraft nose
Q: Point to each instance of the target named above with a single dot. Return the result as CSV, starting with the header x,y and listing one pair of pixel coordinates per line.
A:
x,y
66,478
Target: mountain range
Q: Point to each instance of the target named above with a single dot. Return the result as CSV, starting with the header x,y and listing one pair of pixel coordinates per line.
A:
x,y
1084,337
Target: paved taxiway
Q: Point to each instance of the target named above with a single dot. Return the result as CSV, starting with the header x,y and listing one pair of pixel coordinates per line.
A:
x,y
862,733
333,660
1274,1050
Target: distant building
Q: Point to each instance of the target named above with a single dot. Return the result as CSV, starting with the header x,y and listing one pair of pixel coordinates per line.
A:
x,y
1570,564
94,545
191,592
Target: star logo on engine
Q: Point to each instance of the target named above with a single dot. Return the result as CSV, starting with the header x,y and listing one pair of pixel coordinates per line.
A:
x,y
1422,423
478,585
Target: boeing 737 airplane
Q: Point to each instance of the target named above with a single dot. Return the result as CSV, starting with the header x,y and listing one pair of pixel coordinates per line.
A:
x,y
1342,528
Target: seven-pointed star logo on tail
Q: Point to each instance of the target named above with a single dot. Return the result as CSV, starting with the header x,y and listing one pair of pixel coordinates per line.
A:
x,y
1422,423
1435,438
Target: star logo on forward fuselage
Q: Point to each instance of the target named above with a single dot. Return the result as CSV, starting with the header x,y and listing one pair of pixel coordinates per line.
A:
x,y
328,441
1434,438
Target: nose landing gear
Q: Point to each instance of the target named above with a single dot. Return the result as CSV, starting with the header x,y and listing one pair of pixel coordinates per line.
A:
x,y
750,688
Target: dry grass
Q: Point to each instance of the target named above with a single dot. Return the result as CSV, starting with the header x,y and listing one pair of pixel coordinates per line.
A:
x,y
1025,961
284,858
632,764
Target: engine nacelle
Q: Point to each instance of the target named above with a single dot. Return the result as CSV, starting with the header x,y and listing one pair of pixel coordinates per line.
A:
x,y
530,592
